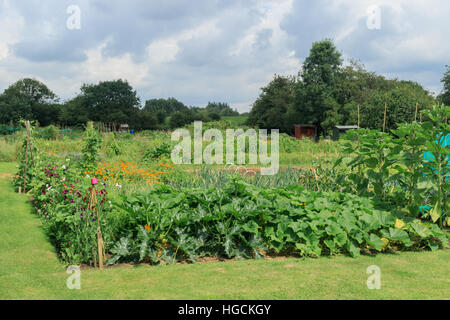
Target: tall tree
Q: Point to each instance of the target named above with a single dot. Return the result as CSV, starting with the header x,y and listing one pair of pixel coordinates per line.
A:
x,y
164,106
315,94
29,99
444,97
271,108
221,108
109,101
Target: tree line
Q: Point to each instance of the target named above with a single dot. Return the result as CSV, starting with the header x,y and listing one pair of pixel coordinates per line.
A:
x,y
326,93
108,102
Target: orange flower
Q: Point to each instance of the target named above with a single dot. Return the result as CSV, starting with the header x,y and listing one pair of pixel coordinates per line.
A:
x,y
147,227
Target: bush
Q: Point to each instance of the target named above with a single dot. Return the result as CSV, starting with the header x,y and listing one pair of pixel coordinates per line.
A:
x,y
158,152
49,133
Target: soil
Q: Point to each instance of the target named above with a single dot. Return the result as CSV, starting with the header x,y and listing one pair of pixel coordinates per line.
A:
x,y
199,260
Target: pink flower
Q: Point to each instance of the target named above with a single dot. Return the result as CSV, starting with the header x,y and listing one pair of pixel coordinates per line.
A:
x,y
94,181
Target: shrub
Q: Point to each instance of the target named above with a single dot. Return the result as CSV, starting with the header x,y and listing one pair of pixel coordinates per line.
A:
x,y
49,133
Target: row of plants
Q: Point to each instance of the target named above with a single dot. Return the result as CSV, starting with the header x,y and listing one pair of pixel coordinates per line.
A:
x,y
241,220
71,196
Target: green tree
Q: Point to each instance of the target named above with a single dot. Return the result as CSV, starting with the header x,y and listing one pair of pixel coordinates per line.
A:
x,y
401,103
272,107
316,91
179,119
164,106
444,97
74,113
221,108
29,99
108,100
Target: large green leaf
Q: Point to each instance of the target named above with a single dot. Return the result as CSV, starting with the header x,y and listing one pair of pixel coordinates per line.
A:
x,y
397,235
375,242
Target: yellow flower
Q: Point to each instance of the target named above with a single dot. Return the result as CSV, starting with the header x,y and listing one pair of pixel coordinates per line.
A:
x,y
399,224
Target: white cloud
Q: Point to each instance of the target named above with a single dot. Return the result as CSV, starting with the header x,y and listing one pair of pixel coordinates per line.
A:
x,y
221,51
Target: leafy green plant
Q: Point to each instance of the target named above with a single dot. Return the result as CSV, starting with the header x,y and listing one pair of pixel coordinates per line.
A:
x,y
92,144
411,142
159,151
27,163
113,146
245,221
49,133
436,131
371,161
61,199
396,171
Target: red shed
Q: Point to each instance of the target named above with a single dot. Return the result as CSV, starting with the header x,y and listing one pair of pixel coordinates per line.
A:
x,y
305,130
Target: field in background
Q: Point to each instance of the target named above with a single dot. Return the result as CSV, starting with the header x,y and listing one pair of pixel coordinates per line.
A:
x,y
133,147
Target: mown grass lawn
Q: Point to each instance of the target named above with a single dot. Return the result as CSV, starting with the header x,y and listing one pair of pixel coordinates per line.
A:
x,y
29,269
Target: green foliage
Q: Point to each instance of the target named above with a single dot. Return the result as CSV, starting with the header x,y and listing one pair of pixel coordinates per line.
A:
x,y
243,221
49,133
27,160
272,108
327,94
437,132
113,146
7,130
91,146
165,106
61,199
444,97
393,169
221,109
109,102
315,95
28,99
374,155
158,152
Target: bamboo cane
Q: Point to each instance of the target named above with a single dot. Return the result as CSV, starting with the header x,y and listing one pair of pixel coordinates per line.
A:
x,y
358,116
27,124
100,246
415,115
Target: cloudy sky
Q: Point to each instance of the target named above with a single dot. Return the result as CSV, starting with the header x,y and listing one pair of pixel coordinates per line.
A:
x,y
214,50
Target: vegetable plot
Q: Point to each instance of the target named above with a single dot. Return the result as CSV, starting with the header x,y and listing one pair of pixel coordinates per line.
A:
x,y
244,221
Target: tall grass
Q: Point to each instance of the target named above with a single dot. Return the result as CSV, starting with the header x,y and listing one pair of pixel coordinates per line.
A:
x,y
8,149
294,153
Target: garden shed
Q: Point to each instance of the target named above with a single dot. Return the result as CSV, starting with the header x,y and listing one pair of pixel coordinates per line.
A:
x,y
340,130
124,127
305,130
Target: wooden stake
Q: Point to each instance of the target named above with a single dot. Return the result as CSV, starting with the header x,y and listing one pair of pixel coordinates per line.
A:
x,y
100,247
415,116
384,122
358,116
27,124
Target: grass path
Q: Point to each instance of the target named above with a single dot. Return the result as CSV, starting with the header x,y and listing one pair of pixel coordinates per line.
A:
x,y
29,269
